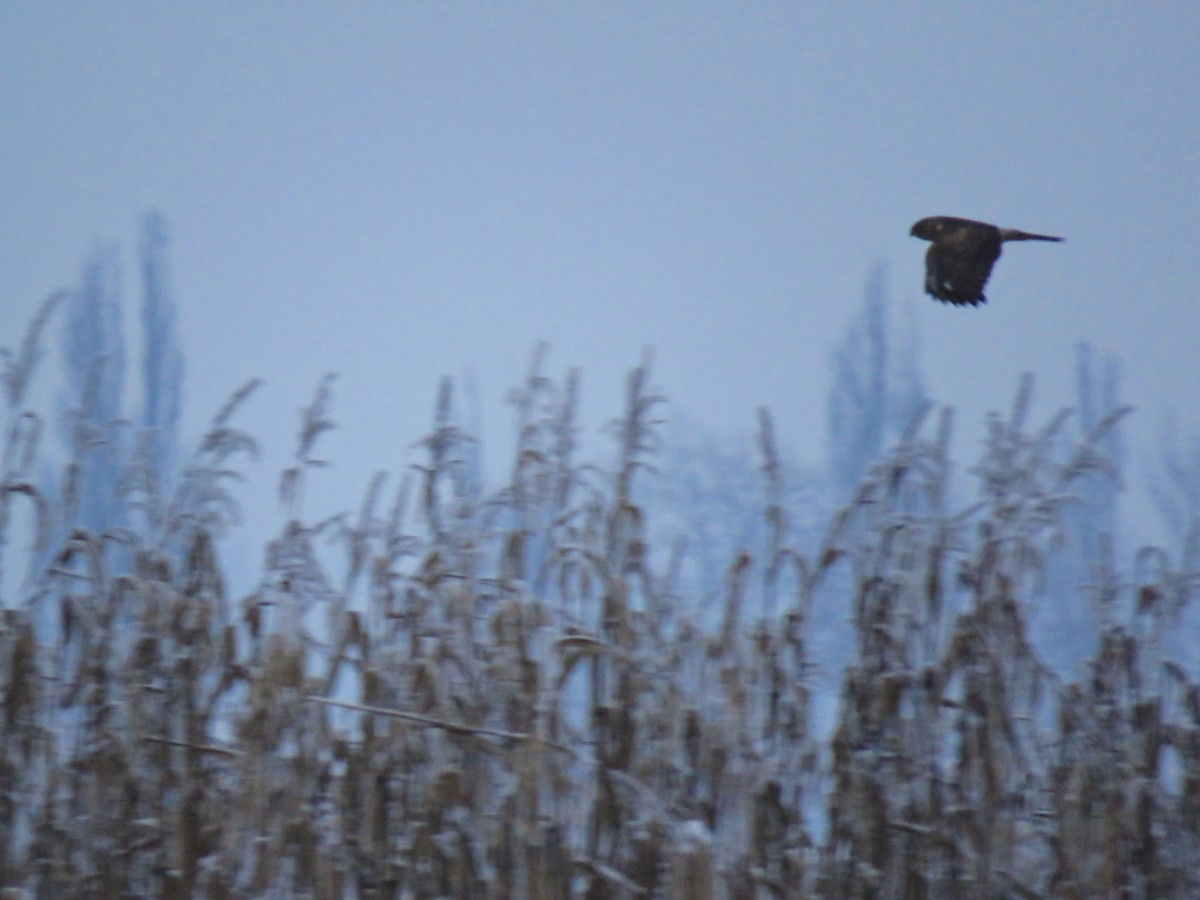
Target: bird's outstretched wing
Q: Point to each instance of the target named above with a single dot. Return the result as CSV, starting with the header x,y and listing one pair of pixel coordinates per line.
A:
x,y
959,262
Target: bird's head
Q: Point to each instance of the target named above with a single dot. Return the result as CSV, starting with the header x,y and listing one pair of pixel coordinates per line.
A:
x,y
927,229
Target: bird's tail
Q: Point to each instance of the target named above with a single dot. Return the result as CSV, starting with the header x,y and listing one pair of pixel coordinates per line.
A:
x,y
1012,234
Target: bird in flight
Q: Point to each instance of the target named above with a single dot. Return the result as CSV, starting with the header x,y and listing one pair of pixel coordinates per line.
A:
x,y
960,259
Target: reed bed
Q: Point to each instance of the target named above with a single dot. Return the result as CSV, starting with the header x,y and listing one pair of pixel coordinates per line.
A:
x,y
456,692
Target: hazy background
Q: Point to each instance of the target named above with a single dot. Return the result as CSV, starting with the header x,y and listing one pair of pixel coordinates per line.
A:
x,y
398,191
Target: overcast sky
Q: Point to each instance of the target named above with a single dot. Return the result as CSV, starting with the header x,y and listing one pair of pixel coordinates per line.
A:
x,y
396,191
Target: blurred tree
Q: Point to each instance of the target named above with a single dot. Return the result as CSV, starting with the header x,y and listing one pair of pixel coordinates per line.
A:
x,y
1064,625
94,362
1097,399
162,360
1175,486
713,500
107,474
877,388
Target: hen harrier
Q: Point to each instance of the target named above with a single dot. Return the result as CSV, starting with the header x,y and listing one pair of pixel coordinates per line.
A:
x,y
959,260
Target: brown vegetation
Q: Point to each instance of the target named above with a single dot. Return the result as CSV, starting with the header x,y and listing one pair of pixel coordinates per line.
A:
x,y
460,695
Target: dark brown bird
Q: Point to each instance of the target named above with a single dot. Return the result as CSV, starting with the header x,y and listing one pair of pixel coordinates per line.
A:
x,y
960,259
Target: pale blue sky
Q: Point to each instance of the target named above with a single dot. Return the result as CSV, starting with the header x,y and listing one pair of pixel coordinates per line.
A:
x,y
397,191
